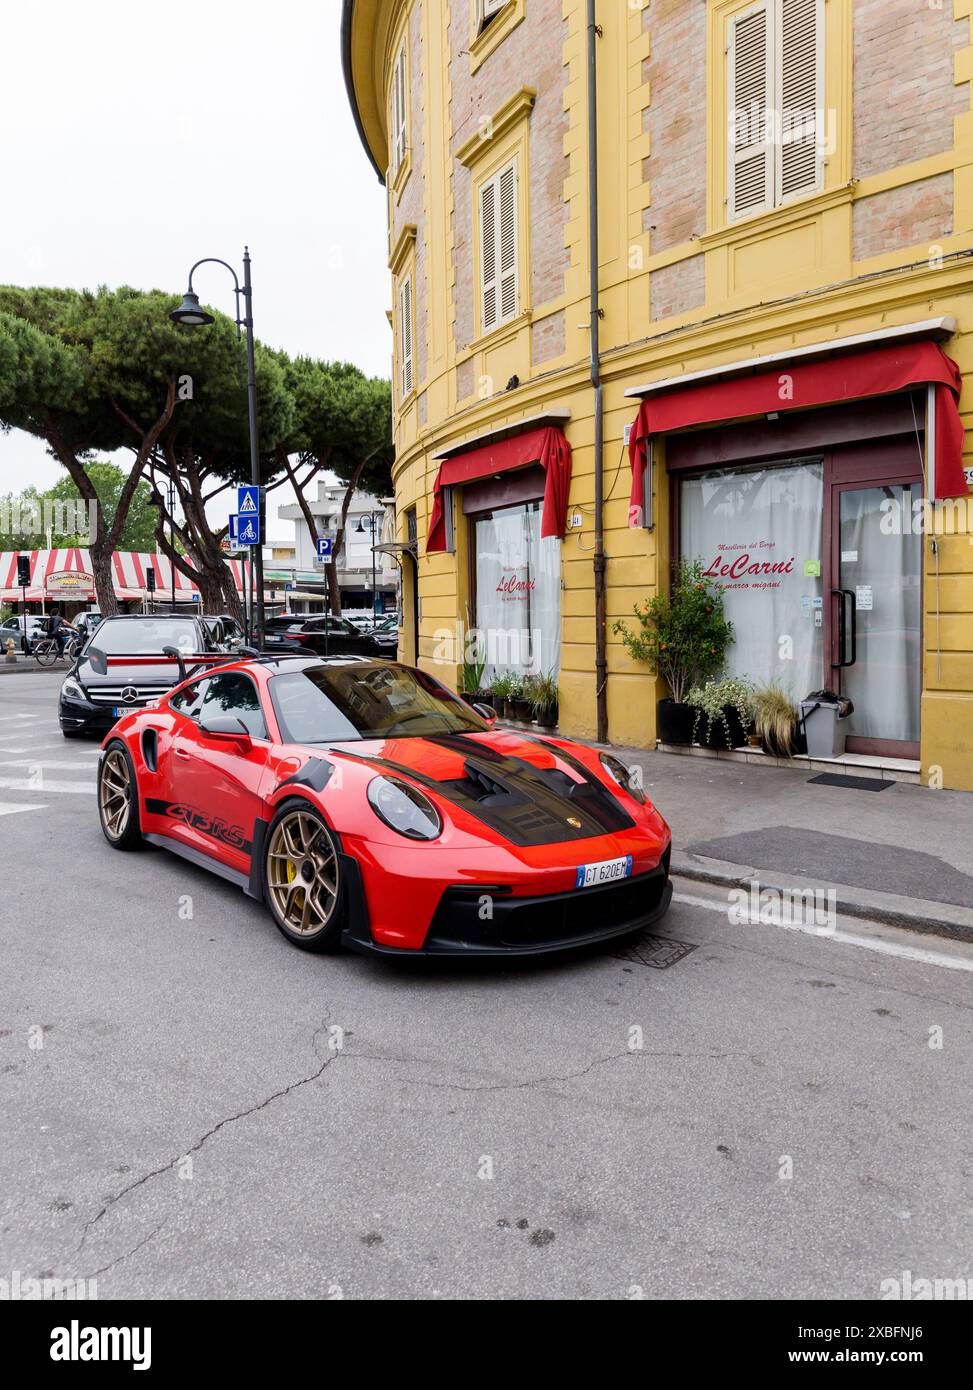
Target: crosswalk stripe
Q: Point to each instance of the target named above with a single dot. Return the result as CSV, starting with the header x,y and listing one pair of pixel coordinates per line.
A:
x,y
51,763
11,808
26,784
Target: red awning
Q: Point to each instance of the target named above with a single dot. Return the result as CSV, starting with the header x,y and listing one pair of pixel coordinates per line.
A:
x,y
546,445
876,372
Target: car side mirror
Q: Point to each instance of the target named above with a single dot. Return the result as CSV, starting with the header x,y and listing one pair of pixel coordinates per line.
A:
x,y
227,729
485,712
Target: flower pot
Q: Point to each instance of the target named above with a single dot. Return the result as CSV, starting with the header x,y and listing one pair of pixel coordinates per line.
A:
x,y
728,732
674,722
485,697
546,718
774,749
519,710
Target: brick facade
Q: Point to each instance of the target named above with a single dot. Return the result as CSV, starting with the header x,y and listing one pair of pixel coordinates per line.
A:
x,y
529,56
916,214
677,288
408,205
547,338
675,168
904,95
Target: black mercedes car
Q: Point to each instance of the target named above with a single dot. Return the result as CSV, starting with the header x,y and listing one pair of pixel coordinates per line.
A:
x,y
115,672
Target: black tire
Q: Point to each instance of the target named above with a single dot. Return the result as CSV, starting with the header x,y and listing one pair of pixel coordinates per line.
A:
x,y
127,832
301,825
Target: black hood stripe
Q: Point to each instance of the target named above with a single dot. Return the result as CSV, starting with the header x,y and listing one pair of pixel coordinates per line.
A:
x,y
524,804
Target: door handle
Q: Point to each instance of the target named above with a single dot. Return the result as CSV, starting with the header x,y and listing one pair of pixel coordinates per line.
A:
x,y
181,753
845,629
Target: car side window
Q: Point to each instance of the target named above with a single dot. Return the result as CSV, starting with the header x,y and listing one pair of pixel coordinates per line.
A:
x,y
234,695
189,700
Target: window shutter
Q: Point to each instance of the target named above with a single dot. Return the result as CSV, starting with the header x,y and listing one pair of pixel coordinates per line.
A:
x,y
405,335
507,238
751,171
488,254
399,108
800,166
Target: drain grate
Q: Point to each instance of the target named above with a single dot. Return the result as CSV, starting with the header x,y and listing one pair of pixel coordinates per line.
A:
x,y
658,952
855,784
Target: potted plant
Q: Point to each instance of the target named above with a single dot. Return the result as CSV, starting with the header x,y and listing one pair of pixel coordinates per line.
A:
x,y
500,689
471,679
723,712
681,636
776,717
518,703
543,700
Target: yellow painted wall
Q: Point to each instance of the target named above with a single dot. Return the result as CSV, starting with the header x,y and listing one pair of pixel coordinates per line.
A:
x,y
772,282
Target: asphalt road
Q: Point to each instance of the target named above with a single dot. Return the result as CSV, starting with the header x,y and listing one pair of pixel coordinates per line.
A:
x,y
191,1126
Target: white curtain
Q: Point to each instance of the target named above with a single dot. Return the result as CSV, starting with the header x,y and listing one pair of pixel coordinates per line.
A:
x,y
758,533
518,592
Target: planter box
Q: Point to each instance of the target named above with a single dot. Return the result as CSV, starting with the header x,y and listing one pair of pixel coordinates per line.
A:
x,y
674,722
728,732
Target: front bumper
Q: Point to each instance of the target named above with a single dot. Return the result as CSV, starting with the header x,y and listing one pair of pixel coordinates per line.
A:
x,y
525,925
83,717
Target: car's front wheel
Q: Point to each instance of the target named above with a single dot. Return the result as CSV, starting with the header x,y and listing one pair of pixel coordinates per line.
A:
x,y
302,877
118,798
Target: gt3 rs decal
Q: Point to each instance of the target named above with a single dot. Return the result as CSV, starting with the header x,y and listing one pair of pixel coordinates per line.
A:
x,y
234,836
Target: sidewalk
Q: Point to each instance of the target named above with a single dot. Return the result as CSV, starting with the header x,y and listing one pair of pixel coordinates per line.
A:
x,y
903,855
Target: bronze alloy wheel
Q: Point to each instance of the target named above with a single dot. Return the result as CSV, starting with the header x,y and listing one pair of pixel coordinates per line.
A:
x,y
115,794
302,874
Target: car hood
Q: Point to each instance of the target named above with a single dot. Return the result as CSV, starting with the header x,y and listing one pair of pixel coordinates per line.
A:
x,y
526,791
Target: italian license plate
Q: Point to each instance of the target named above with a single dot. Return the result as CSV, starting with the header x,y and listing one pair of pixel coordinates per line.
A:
x,y
608,871
119,710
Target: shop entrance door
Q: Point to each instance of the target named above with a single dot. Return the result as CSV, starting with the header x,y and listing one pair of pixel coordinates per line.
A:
x,y
874,614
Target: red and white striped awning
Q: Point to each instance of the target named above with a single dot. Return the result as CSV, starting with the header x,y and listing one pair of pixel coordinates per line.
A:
x,y
67,575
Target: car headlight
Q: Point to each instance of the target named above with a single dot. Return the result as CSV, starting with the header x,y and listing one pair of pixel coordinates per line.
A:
x,y
623,775
404,808
73,690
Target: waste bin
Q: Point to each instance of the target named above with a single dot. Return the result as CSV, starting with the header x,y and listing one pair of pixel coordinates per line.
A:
x,y
824,717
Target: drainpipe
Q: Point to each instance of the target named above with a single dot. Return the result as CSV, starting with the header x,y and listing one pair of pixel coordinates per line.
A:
x,y
598,560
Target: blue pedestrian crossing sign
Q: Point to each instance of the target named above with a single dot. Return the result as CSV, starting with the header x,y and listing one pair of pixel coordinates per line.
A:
x,y
324,548
248,500
244,530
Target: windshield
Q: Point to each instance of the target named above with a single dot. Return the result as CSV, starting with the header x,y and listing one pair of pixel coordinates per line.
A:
x,y
122,636
333,704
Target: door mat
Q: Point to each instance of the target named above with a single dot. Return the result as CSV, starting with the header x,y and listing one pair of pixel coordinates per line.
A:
x,y
855,784
658,952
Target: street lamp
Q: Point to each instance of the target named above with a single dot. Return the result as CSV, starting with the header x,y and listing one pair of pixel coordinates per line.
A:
x,y
360,530
192,315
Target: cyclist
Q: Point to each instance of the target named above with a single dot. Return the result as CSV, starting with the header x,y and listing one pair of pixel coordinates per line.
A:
x,y
60,629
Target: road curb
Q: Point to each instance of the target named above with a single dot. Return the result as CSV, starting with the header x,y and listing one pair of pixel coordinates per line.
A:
x,y
952,922
21,668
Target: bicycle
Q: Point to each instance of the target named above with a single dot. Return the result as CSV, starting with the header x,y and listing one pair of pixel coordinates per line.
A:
x,y
48,651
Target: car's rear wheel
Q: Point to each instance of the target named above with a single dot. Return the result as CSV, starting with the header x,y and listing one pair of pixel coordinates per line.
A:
x,y
302,877
118,801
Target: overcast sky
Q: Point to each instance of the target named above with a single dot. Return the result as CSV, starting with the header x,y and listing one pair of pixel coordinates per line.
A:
x,y
135,139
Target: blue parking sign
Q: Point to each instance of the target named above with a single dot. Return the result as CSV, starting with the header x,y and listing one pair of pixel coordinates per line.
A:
x,y
325,546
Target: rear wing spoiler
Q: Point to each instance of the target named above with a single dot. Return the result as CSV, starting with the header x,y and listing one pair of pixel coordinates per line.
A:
x,y
186,661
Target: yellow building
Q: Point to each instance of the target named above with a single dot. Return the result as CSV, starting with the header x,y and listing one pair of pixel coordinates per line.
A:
x,y
777,200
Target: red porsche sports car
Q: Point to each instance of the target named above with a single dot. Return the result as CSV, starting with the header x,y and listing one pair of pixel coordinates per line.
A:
x,y
369,805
